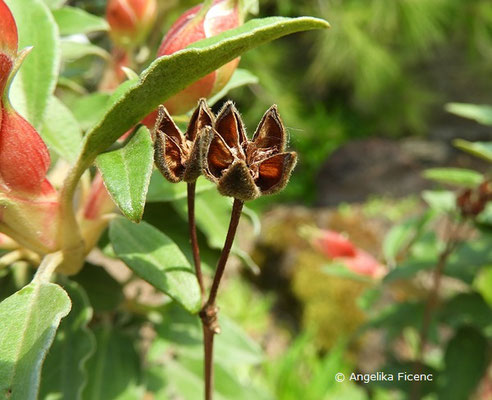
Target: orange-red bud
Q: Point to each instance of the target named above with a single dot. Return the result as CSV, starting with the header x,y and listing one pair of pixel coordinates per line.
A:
x,y
130,20
194,25
29,205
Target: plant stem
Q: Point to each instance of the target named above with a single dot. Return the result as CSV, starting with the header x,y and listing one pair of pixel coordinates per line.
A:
x,y
193,237
432,303
208,314
48,266
231,233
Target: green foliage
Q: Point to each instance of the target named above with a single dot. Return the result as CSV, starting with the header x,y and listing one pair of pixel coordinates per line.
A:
x,y
72,20
126,173
466,361
36,80
157,259
65,370
33,315
61,131
114,370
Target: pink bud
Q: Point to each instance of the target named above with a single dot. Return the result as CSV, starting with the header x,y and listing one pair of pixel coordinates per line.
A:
x,y
194,25
364,264
130,20
333,244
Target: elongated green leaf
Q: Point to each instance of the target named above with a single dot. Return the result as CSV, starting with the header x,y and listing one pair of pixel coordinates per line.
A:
x,y
163,190
65,374
61,131
455,176
29,318
441,201
466,362
73,20
54,4
37,77
114,369
126,173
240,78
156,258
478,149
90,109
479,112
72,51
171,74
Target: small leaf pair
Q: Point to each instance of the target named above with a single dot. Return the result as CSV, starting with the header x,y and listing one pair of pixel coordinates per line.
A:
x,y
219,148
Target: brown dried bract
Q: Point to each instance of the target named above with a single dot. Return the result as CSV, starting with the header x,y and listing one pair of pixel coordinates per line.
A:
x,y
181,157
246,169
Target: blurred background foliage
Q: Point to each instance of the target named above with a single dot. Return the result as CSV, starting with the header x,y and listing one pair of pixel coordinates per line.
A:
x,y
384,71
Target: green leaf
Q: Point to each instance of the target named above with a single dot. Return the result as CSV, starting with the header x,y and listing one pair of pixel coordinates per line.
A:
x,y
162,190
36,79
480,113
478,149
441,201
182,331
467,309
466,363
65,374
105,293
156,259
72,51
341,271
454,176
171,74
483,284
61,131
466,261
240,78
114,369
90,108
54,4
73,20
126,173
29,318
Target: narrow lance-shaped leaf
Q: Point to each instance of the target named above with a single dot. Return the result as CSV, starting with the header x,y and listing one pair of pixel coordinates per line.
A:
x,y
60,130
65,372
73,20
156,258
114,368
29,318
36,79
171,74
126,173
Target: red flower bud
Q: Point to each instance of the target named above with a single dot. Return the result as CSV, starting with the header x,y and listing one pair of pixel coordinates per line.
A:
x,y
29,205
130,20
194,25
337,247
8,44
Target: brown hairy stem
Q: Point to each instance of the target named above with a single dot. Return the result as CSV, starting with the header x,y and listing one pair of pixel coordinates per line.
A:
x,y
208,314
193,237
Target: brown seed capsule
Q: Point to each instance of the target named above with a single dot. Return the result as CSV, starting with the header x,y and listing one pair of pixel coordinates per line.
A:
x,y
181,157
246,169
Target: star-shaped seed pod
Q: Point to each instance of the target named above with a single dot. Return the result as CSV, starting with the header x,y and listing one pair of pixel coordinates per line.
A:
x,y
246,169
181,157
